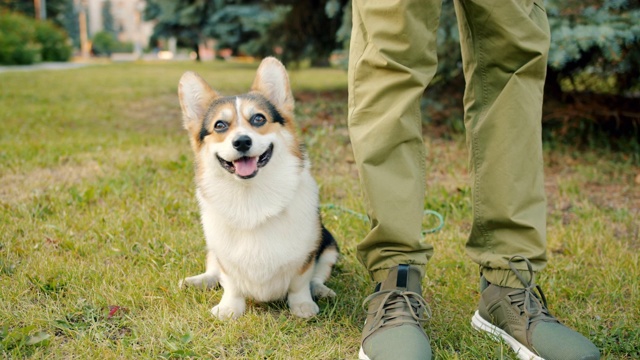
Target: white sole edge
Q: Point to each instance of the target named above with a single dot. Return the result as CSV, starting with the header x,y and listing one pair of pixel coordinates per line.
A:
x,y
522,352
362,355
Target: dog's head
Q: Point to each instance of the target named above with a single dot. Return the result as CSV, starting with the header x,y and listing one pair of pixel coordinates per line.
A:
x,y
240,134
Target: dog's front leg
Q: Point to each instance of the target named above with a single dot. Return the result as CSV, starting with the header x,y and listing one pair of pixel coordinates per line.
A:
x,y
232,304
300,301
208,279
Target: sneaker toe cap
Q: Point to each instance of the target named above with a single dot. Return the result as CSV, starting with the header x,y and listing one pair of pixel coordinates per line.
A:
x,y
555,341
402,342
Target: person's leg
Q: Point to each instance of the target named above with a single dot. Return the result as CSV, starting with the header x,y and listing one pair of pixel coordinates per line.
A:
x,y
504,51
504,48
392,59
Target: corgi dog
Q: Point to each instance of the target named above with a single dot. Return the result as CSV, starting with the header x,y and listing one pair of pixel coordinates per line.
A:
x,y
258,200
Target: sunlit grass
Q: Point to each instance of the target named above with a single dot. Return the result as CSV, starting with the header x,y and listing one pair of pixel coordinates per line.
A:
x,y
98,222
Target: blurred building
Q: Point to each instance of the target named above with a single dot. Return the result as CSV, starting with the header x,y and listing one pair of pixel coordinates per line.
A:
x,y
128,22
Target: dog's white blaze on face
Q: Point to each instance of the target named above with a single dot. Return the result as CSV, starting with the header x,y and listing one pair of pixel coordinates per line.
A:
x,y
238,111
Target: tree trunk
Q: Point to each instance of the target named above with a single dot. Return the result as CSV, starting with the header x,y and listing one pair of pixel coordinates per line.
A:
x,y
196,49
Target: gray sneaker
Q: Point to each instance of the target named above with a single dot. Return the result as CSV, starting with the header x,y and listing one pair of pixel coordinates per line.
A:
x,y
396,311
521,318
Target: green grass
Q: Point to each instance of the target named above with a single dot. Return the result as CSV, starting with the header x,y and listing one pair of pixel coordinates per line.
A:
x,y
98,222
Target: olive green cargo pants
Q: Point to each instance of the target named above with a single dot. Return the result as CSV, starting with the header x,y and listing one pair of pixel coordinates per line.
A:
x,y
392,59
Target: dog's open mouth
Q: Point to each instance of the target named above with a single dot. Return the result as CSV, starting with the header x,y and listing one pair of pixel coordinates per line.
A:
x,y
247,167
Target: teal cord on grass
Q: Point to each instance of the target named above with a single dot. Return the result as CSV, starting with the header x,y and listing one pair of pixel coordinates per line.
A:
x,y
365,218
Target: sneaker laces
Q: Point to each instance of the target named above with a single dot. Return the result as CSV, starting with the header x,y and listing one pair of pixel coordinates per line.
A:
x,y
392,309
533,304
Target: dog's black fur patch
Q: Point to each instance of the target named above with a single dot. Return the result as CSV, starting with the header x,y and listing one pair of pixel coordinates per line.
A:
x,y
206,122
327,241
273,111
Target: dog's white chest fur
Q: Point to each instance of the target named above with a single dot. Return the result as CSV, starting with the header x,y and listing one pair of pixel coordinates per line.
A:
x,y
262,244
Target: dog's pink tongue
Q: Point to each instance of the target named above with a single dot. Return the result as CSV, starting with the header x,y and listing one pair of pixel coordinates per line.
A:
x,y
246,166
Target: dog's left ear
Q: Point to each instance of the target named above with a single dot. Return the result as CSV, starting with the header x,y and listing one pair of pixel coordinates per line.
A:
x,y
272,81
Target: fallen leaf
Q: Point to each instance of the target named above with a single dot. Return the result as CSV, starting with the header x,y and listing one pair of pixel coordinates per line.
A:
x,y
113,309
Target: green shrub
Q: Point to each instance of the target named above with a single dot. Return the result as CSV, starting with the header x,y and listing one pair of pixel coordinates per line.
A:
x,y
104,43
55,43
598,42
25,41
18,44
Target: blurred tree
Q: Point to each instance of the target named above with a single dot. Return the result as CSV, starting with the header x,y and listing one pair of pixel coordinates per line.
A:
x,y
69,21
309,31
183,19
60,12
25,7
245,29
57,11
108,23
55,8
595,46
296,30
593,77
448,40
343,35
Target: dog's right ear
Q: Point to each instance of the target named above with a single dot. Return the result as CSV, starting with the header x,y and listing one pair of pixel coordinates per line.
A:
x,y
195,97
272,81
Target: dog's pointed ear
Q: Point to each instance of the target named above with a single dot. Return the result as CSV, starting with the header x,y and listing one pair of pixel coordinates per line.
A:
x,y
272,81
195,97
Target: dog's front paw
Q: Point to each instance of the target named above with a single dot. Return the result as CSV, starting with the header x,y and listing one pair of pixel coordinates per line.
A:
x,y
204,280
223,312
320,290
304,309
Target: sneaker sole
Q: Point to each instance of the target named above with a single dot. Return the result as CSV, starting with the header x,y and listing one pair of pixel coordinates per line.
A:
x,y
362,355
522,352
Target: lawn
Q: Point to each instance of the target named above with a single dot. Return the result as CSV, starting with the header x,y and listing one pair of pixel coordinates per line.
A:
x,y
99,222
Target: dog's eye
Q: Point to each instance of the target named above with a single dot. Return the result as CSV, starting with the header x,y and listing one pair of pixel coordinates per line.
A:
x,y
257,120
220,126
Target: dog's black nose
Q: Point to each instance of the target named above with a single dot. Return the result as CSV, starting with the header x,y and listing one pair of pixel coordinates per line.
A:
x,y
242,143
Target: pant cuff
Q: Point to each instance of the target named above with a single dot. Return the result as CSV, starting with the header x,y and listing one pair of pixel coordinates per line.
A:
x,y
380,275
505,277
